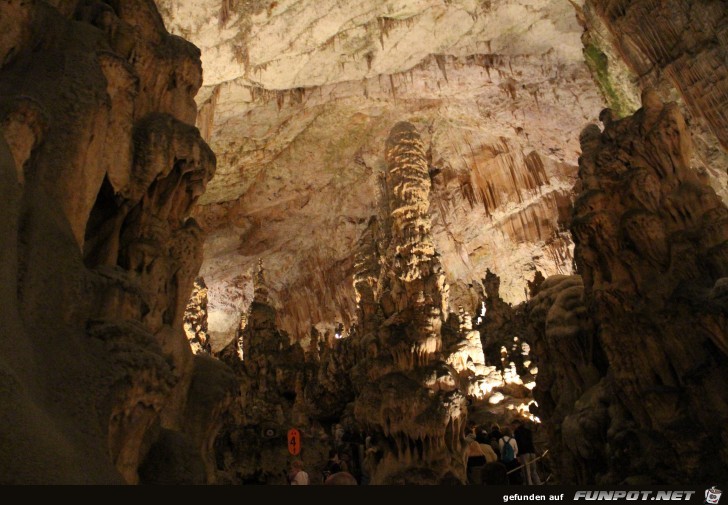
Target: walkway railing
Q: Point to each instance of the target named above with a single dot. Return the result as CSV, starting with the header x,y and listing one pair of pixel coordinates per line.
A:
x,y
529,463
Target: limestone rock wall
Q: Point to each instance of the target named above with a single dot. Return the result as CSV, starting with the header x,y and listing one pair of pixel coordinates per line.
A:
x,y
101,167
295,103
682,54
651,249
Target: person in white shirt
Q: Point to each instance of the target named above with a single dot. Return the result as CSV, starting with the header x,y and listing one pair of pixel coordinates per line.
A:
x,y
298,477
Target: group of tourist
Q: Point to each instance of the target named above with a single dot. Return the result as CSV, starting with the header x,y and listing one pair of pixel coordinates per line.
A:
x,y
501,456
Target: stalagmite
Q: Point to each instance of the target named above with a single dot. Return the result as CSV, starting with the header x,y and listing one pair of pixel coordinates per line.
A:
x,y
412,301
195,318
650,254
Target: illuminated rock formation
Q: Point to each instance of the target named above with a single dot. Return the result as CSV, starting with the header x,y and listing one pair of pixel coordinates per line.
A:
x,y
410,396
506,339
106,186
503,328
296,103
466,357
414,288
195,318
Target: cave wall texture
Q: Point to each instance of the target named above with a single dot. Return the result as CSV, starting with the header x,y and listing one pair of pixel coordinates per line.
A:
x,y
681,53
641,337
297,98
101,164
634,355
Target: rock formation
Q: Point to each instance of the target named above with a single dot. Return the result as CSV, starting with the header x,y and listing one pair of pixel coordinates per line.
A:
x,y
686,41
420,438
101,166
506,339
117,366
195,318
398,348
464,351
277,389
503,328
681,54
415,290
648,380
296,102
572,393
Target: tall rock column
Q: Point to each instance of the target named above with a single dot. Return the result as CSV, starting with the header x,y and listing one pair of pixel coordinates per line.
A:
x,y
652,247
415,286
407,395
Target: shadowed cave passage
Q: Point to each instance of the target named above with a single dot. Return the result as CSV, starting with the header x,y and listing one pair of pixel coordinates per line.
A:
x,y
388,225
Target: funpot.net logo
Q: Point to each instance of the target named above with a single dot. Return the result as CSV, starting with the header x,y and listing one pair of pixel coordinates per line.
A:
x,y
670,495
712,495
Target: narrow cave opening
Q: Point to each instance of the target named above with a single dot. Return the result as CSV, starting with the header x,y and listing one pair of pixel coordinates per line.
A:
x,y
101,236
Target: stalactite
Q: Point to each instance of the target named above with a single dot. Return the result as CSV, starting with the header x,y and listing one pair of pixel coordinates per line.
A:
x,y
206,114
441,63
226,9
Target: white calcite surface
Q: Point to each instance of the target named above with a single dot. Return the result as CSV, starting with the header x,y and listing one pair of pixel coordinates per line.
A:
x,y
298,98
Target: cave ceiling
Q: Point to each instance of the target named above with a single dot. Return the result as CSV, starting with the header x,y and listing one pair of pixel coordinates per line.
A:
x,y
298,98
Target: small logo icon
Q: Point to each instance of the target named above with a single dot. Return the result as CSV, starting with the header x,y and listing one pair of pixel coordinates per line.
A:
x,y
712,495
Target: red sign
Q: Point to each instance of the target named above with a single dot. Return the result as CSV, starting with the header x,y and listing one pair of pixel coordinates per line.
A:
x,y
294,441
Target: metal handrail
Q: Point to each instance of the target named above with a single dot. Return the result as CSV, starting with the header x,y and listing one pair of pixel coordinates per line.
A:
x,y
530,462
